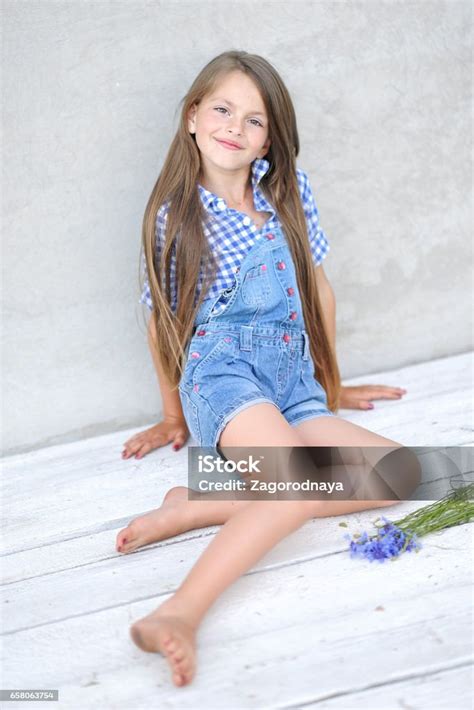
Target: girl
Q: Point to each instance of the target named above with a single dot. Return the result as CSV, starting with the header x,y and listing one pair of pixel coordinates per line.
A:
x,y
243,344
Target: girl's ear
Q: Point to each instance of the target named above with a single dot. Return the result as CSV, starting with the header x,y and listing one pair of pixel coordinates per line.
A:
x,y
264,149
191,115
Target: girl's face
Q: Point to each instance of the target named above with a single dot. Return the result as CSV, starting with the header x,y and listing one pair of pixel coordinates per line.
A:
x,y
234,112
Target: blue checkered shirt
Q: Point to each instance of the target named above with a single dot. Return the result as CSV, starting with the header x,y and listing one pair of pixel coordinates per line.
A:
x,y
231,234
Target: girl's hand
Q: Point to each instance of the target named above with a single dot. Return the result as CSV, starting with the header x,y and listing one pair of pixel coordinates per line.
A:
x,y
172,429
359,397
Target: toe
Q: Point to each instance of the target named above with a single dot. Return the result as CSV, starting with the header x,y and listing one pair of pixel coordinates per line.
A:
x,y
128,538
122,538
178,679
177,663
190,667
183,667
126,543
128,547
187,674
190,673
121,535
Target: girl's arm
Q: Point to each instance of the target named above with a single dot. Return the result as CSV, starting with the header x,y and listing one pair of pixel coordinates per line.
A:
x,y
172,408
359,396
173,429
328,303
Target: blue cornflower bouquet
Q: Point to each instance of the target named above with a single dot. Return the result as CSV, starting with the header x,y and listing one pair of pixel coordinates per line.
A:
x,y
392,539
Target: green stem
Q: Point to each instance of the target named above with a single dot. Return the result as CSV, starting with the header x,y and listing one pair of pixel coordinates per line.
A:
x,y
456,508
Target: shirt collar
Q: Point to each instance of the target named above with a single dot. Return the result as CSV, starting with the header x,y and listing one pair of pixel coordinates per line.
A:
x,y
260,166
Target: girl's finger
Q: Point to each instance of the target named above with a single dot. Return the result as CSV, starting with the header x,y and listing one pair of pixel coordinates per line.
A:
x,y
385,388
383,394
178,443
132,448
143,451
133,442
355,404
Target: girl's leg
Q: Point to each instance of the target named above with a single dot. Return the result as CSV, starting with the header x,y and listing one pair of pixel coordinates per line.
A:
x,y
248,535
392,468
177,514
244,538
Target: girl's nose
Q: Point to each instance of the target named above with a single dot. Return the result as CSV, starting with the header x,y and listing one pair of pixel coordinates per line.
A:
x,y
236,127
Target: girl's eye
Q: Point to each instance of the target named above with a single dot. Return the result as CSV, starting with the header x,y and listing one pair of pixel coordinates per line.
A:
x,y
252,119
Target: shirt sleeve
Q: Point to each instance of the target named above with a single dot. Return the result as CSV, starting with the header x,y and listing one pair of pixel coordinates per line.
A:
x,y
317,239
160,227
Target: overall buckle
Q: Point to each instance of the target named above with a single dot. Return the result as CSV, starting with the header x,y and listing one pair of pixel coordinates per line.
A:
x,y
306,348
246,337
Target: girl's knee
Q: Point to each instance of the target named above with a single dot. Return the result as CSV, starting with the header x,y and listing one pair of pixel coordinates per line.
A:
x,y
398,474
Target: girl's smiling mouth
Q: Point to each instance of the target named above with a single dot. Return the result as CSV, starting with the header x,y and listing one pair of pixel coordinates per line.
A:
x,y
229,146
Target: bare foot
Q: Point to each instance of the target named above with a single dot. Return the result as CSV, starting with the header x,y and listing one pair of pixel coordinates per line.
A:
x,y
172,518
173,637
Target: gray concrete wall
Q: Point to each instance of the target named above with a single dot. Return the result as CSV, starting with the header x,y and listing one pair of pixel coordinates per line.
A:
x,y
90,89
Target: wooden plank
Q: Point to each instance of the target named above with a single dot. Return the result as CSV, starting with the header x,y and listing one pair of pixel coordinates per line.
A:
x,y
450,688
437,409
96,546
263,661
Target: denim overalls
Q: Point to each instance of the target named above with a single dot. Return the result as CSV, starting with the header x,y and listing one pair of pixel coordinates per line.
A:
x,y
249,345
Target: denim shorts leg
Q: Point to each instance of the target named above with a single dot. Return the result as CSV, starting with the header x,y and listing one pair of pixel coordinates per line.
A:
x,y
306,398
214,388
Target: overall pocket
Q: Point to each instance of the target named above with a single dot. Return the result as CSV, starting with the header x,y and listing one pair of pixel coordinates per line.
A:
x,y
307,368
191,415
256,287
203,350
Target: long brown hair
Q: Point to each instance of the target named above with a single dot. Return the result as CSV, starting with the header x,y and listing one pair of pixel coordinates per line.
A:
x,y
177,183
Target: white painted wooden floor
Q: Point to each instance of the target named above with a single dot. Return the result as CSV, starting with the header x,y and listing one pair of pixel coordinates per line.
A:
x,y
306,627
